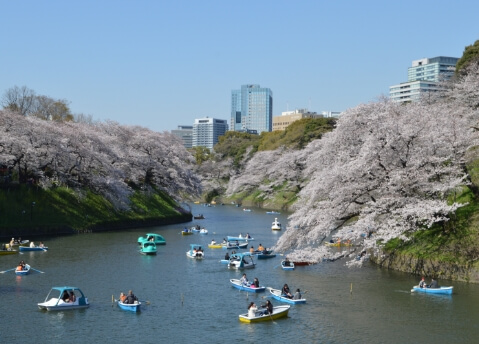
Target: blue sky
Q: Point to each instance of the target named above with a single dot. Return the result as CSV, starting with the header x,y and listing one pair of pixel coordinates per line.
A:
x,y
160,64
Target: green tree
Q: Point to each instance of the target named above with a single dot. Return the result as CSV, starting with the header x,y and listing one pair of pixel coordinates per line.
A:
x,y
470,55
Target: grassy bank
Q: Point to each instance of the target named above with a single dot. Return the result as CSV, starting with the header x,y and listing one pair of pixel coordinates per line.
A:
x,y
30,210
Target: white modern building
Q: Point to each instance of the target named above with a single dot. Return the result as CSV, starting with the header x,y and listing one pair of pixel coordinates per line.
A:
x,y
206,131
424,76
185,133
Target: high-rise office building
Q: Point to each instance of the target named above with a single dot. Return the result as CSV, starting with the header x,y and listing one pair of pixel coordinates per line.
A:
x,y
206,131
251,109
424,76
185,133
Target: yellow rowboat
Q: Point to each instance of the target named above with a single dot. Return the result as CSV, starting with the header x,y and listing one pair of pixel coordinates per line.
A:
x,y
278,312
338,244
215,246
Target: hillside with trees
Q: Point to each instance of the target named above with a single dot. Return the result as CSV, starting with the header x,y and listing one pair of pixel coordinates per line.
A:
x,y
120,168
225,173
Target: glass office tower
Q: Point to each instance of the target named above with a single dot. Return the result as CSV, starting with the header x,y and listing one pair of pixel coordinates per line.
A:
x,y
252,109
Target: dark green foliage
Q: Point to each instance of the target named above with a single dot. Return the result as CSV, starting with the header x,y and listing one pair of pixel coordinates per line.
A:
x,y
470,56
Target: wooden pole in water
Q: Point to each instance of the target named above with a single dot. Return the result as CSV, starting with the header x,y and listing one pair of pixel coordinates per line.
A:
x,y
351,290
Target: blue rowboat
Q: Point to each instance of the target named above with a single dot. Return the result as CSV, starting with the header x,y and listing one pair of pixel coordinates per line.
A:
x,y
28,248
277,295
236,283
287,264
57,301
24,271
239,238
135,307
265,255
441,290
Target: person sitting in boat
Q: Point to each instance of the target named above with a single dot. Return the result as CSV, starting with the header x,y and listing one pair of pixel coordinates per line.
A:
x,y
260,247
122,297
287,262
213,242
248,236
244,280
240,235
65,296
297,295
269,308
252,310
32,244
255,282
130,298
41,245
285,292
251,250
19,267
224,241
12,242
227,256
433,284
22,265
422,284
73,298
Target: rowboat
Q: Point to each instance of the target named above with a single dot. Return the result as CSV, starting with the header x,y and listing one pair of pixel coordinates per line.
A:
x,y
303,263
440,290
278,312
199,230
287,264
199,217
277,295
156,238
230,245
265,255
239,238
338,244
246,209
148,248
35,248
8,251
236,283
241,261
273,212
55,302
23,271
195,252
215,245
132,307
276,226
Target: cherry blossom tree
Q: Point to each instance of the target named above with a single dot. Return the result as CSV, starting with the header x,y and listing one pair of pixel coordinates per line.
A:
x,y
103,157
386,170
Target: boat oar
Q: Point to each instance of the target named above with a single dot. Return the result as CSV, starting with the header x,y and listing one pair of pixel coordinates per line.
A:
x,y
145,302
2,272
37,270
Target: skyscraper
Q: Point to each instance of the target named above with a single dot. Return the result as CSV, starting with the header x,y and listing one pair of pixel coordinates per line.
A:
x,y
424,76
252,109
206,131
